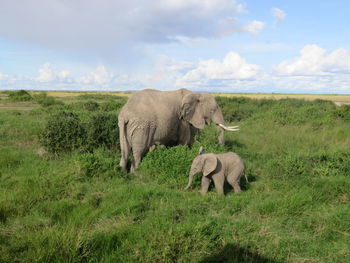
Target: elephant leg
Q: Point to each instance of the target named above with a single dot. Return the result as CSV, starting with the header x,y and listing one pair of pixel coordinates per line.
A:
x,y
125,148
125,151
205,184
219,181
140,145
233,180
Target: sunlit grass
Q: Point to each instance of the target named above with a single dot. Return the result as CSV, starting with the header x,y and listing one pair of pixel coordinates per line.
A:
x,y
76,207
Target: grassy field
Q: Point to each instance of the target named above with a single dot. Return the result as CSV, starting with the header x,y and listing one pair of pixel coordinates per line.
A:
x,y
77,206
332,97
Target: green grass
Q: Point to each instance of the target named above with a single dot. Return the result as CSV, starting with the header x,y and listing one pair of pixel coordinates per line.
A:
x,y
79,206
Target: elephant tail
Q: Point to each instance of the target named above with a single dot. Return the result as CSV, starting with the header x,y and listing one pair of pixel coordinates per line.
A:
x,y
124,143
245,175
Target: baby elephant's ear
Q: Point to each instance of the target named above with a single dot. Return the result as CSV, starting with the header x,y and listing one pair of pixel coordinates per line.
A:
x,y
210,163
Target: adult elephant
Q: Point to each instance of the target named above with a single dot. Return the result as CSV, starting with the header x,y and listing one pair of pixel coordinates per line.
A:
x,y
152,117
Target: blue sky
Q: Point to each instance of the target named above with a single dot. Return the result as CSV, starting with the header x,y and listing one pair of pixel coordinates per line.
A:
x,y
207,45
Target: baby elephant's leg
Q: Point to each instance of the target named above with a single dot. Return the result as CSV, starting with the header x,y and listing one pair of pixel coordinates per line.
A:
x,y
205,184
219,181
233,179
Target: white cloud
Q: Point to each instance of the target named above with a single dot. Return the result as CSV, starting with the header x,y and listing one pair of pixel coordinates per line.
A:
x,y
48,74
3,76
109,25
232,67
232,74
314,60
328,84
278,14
99,76
253,27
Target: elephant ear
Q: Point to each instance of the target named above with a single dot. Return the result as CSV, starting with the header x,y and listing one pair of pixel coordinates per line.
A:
x,y
210,163
191,110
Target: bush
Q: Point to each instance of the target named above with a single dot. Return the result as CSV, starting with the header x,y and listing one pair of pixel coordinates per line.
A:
x,y
96,96
283,111
113,105
298,111
20,95
240,108
40,96
91,105
343,112
45,100
63,132
99,163
169,166
102,130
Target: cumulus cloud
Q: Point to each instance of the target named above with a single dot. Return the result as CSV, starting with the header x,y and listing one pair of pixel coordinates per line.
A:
x,y
232,74
99,76
278,14
329,84
3,76
314,60
253,27
48,74
232,67
97,26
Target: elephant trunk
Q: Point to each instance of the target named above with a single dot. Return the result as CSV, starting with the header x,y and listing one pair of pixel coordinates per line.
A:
x,y
218,119
221,136
190,179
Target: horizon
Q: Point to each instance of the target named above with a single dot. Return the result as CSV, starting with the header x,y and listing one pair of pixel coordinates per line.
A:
x,y
214,92
216,46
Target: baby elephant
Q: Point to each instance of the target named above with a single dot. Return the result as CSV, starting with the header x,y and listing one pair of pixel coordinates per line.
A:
x,y
217,167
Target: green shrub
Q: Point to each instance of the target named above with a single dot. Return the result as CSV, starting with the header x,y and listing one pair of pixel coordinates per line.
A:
x,y
283,111
20,95
240,108
102,130
45,100
99,163
40,96
299,111
76,107
91,105
63,132
169,166
113,105
50,101
342,112
96,97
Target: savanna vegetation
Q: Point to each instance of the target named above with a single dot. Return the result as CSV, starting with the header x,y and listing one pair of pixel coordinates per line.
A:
x,y
63,197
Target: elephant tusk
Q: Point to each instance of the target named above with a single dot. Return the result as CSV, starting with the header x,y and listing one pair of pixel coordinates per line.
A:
x,y
232,128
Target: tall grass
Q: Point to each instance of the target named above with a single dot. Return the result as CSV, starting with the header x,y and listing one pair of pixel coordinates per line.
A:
x,y
79,206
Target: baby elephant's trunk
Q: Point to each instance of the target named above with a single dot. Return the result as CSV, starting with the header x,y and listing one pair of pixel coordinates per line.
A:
x,y
190,179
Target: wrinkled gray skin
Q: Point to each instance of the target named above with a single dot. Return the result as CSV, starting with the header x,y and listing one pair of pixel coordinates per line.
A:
x,y
152,117
217,168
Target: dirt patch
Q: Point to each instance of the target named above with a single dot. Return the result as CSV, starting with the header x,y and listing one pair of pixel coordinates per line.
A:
x,y
18,106
339,103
